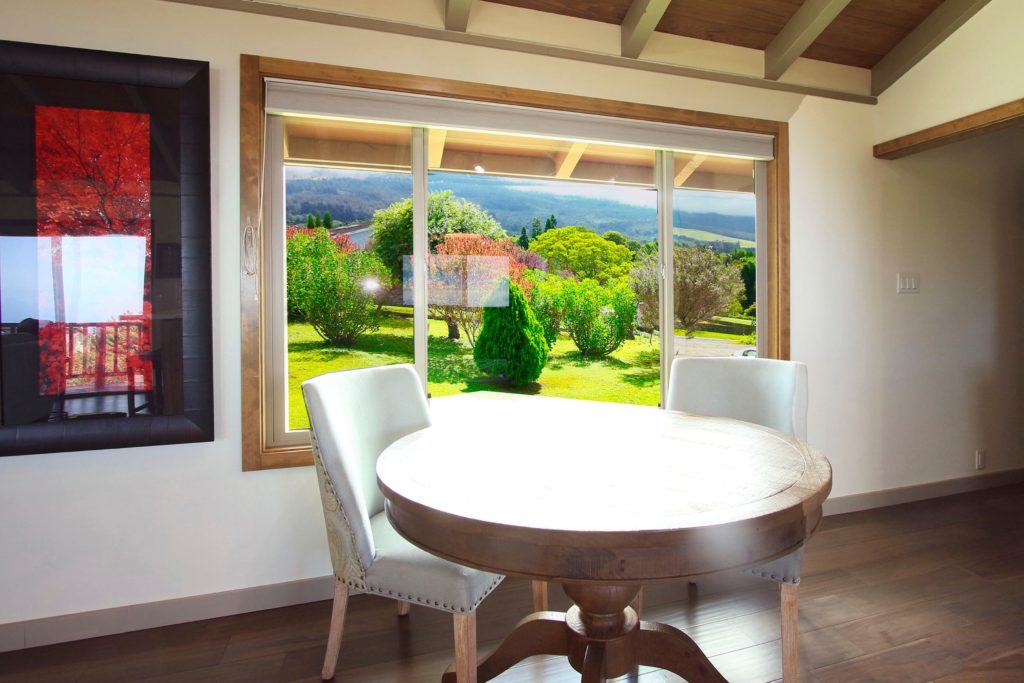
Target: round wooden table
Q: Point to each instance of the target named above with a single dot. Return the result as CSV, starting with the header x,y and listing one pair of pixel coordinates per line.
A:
x,y
600,498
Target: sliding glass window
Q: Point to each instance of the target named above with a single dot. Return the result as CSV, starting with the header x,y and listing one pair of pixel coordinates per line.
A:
x,y
531,288
343,305
500,260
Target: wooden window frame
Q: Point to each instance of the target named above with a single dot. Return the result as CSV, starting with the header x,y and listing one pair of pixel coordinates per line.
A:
x,y
256,453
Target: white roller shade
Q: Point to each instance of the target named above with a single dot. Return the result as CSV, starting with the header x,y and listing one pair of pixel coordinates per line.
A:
x,y
292,97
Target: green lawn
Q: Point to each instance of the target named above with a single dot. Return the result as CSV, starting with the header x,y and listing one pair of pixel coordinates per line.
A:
x,y
630,375
705,236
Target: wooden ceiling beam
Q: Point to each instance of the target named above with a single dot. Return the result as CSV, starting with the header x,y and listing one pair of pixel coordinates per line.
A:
x,y
335,18
641,19
939,25
803,28
688,169
456,14
436,147
567,163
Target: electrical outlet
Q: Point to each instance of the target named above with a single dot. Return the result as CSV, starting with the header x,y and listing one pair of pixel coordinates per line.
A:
x,y
979,459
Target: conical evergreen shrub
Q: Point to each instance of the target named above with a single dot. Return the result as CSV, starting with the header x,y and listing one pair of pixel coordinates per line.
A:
x,y
511,344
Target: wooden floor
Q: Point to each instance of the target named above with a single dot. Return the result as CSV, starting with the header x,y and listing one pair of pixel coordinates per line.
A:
x,y
929,591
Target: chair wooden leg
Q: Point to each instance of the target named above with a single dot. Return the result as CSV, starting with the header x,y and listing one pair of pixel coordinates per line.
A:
x,y
465,647
540,596
337,625
790,617
402,608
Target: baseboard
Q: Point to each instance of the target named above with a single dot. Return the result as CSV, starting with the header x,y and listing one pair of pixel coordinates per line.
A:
x,y
104,622
908,494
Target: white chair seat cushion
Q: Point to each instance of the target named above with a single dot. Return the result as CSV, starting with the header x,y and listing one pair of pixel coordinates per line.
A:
x,y
402,571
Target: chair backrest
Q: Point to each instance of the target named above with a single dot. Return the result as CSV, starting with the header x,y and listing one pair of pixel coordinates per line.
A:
x,y
772,393
355,415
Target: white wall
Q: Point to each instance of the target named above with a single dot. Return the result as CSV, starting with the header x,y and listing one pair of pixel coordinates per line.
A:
x,y
976,68
84,531
905,387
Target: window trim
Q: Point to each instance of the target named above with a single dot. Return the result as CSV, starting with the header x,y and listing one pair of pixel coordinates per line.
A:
x,y
256,453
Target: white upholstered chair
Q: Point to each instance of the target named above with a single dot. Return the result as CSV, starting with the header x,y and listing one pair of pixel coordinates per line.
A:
x,y
772,393
355,415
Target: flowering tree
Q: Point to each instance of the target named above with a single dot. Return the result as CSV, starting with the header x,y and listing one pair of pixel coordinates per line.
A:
x,y
465,272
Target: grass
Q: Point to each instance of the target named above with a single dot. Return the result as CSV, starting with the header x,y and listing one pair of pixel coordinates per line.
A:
x,y
705,236
738,338
630,375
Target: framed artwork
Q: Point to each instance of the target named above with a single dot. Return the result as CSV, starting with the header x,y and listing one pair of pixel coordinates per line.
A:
x,y
105,302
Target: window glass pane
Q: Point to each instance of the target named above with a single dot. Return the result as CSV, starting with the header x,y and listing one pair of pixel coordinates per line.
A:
x,y
714,256
537,248
348,218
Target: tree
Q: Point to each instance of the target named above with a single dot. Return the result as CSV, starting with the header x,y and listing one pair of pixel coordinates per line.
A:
x,y
646,286
511,343
616,237
582,252
446,214
598,319
339,291
704,285
310,222
328,221
551,223
524,239
748,272
92,179
463,274
537,229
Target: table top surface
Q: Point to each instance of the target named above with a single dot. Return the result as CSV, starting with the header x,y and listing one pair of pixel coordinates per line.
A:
x,y
510,460
586,492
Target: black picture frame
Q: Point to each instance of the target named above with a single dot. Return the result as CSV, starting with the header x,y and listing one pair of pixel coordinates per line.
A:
x,y
180,142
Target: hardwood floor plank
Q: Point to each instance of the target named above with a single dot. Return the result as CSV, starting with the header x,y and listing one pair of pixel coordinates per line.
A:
x,y
931,590
917,661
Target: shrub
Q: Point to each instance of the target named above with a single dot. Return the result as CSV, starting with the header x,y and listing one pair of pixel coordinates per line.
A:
x,y
302,250
511,344
335,290
546,303
598,319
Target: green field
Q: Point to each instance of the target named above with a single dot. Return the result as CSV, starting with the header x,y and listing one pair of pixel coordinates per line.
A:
x,y
705,236
630,375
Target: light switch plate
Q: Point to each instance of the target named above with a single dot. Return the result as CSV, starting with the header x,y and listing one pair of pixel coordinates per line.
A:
x,y
908,283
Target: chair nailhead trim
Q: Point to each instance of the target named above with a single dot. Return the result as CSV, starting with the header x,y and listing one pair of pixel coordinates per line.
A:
x,y
415,598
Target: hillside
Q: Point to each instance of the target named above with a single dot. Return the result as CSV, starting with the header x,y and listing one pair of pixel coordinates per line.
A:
x,y
515,203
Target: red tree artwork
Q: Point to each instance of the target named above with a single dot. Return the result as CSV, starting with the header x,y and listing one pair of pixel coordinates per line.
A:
x,y
93,180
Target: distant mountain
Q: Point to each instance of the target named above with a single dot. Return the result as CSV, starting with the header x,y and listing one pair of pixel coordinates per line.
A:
x,y
351,197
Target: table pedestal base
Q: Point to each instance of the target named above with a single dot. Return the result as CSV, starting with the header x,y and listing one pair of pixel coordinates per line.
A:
x,y
602,638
